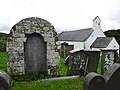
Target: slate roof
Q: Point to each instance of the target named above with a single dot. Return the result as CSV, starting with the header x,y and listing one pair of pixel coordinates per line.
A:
x,y
101,42
76,35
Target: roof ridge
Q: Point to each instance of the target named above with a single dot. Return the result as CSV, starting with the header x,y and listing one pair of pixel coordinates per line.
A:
x,y
77,30
76,35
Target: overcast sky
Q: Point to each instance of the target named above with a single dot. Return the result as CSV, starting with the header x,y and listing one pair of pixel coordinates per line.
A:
x,y
62,14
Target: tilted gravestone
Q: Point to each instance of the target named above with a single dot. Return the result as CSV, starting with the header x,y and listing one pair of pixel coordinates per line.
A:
x,y
32,49
109,81
77,63
5,82
93,60
94,82
82,62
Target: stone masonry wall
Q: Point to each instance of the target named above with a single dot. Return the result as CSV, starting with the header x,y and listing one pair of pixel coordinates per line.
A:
x,y
19,34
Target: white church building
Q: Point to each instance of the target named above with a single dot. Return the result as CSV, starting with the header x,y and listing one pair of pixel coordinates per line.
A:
x,y
89,38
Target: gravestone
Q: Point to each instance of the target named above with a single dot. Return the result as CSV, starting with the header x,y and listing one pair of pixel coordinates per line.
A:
x,y
77,63
109,57
65,48
93,60
93,81
109,81
32,49
35,56
82,62
112,77
5,83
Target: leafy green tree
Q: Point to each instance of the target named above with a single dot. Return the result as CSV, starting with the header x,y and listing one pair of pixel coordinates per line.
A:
x,y
113,33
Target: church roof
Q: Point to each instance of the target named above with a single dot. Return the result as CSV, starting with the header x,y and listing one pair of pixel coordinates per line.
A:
x,y
75,35
101,42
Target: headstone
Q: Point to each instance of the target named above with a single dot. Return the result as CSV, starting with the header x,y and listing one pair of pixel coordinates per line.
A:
x,y
93,81
35,55
112,77
5,83
83,62
109,81
65,48
32,49
93,60
77,63
109,57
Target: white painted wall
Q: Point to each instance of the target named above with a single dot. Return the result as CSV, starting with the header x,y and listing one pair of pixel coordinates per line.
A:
x,y
77,45
92,38
97,32
113,45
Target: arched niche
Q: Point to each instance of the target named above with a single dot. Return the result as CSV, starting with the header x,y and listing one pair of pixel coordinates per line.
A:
x,y
22,34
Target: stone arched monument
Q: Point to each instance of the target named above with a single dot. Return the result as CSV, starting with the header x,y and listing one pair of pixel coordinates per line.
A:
x,y
32,49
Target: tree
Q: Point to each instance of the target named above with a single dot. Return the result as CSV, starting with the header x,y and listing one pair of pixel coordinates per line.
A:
x,y
113,33
4,38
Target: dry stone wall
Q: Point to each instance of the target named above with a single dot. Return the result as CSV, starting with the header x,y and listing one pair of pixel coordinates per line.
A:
x,y
19,34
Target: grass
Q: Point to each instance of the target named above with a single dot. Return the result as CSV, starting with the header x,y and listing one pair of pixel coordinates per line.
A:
x,y
63,67
72,84
3,61
99,66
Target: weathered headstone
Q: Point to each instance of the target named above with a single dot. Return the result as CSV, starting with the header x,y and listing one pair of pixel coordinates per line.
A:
x,y
83,62
5,82
93,60
65,48
35,55
109,57
77,63
112,77
93,81
32,49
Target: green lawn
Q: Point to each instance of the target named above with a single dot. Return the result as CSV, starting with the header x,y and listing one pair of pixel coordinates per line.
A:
x,y
63,67
99,67
72,84
3,61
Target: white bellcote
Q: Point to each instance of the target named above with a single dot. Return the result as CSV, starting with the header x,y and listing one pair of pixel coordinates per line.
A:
x,y
96,23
